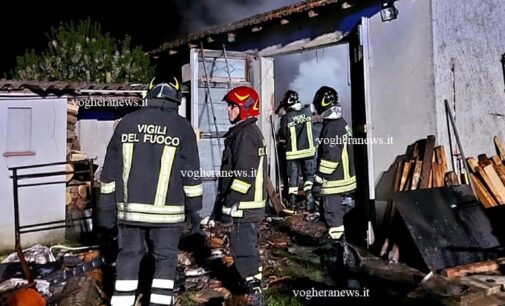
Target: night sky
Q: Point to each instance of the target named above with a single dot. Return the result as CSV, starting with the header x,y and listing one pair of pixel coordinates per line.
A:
x,y
24,26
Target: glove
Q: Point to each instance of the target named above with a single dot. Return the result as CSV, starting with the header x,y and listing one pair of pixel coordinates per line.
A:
x,y
195,220
106,212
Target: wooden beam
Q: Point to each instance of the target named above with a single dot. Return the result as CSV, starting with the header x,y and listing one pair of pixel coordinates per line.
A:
x,y
417,175
472,164
500,150
483,160
427,161
451,179
481,192
473,268
497,186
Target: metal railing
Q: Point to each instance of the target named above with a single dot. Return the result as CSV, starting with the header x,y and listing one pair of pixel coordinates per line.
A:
x,y
44,226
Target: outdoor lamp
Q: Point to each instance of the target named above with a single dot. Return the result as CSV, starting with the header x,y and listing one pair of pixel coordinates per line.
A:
x,y
388,11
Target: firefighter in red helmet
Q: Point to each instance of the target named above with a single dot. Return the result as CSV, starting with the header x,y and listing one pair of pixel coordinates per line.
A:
x,y
241,198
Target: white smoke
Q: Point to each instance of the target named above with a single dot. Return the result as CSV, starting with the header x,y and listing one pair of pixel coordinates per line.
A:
x,y
198,14
313,69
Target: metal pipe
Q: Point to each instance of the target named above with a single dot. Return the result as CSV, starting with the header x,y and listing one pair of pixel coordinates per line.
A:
x,y
39,165
40,184
52,222
450,142
465,164
44,174
17,237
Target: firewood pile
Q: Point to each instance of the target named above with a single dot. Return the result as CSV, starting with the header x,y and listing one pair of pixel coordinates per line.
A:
x,y
423,166
488,176
78,186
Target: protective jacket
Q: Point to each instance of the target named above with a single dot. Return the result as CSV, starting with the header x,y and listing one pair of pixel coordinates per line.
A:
x,y
242,188
335,166
296,131
150,174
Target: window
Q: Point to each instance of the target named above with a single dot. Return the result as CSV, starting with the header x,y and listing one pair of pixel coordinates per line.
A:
x,y
19,131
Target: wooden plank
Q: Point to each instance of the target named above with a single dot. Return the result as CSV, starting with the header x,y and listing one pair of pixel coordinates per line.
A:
x,y
440,154
500,150
484,178
72,108
482,193
405,175
438,177
491,284
472,164
416,175
500,170
451,179
478,267
427,161
274,198
415,152
496,160
498,188
483,160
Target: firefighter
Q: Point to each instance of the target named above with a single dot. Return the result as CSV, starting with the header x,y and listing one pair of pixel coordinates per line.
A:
x,y
335,168
242,196
146,191
296,133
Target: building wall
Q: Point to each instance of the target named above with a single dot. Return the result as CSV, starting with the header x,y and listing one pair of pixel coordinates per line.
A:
x,y
39,203
94,136
401,98
468,38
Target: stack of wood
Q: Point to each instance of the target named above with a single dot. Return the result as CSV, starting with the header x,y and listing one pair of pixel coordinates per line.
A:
x,y
72,111
488,176
74,152
77,192
423,166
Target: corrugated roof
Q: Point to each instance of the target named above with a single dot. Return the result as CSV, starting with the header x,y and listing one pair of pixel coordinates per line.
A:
x,y
71,88
255,20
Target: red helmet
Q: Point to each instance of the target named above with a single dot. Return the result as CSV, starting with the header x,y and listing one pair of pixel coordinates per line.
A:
x,y
246,99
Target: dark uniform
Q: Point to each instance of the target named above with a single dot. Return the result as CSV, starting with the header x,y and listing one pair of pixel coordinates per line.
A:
x,y
335,171
335,166
146,186
242,190
296,131
242,195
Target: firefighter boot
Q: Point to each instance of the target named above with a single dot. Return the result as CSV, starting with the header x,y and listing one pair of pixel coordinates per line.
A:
x,y
292,201
254,293
310,203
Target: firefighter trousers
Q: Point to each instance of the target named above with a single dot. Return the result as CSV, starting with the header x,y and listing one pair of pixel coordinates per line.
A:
x,y
132,242
333,211
244,248
306,165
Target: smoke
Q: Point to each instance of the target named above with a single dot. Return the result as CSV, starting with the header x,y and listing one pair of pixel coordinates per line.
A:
x,y
306,72
200,14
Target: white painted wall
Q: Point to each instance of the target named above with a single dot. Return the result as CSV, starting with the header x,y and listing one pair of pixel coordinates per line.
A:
x,y
401,88
94,136
469,35
40,203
